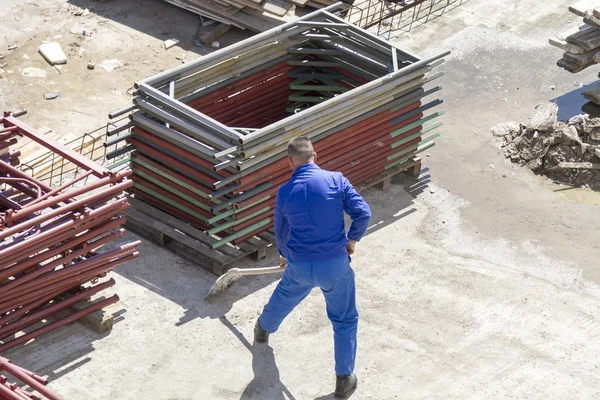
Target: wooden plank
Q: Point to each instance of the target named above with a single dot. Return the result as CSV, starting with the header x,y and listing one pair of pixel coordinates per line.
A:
x,y
579,165
566,46
581,59
277,7
593,94
571,67
206,35
582,6
587,40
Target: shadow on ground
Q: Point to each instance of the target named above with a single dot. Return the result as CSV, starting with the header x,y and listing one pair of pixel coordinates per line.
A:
x,y
573,103
266,383
159,19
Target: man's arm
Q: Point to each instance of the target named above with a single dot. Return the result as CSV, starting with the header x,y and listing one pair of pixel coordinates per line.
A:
x,y
358,210
282,229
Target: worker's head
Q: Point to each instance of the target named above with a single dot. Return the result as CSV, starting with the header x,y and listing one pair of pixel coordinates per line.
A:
x,y
300,151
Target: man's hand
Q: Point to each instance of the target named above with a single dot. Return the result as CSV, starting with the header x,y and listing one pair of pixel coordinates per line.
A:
x,y
351,246
282,261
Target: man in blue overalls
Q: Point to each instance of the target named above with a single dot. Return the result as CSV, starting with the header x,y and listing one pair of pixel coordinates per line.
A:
x,y
312,241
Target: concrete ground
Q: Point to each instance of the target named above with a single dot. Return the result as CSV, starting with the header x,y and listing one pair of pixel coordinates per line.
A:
x,y
476,282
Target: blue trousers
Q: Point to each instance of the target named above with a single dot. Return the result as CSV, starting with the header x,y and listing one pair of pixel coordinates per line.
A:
x,y
335,278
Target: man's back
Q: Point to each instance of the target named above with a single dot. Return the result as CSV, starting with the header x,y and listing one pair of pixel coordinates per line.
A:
x,y
312,203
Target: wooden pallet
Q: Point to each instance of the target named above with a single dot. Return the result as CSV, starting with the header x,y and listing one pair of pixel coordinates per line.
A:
x,y
411,167
189,242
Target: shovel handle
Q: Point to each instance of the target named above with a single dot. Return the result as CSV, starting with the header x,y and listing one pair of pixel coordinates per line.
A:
x,y
258,271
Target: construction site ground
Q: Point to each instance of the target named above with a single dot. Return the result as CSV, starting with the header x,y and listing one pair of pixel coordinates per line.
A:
x,y
479,281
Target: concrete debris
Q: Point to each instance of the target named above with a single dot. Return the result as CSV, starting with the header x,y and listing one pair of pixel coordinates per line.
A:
x,y
53,53
566,152
13,46
110,65
545,117
34,72
170,43
91,65
505,128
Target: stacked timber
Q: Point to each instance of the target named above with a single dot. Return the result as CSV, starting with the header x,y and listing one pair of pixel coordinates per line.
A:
x,y
34,386
582,44
50,239
255,15
210,137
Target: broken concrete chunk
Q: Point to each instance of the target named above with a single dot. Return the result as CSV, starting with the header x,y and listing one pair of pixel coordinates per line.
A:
x,y
53,53
506,128
110,65
545,117
170,43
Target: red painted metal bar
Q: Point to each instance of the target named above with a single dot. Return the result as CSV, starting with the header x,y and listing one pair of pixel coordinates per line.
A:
x,y
58,148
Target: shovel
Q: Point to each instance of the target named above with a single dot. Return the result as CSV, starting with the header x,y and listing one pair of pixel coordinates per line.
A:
x,y
230,276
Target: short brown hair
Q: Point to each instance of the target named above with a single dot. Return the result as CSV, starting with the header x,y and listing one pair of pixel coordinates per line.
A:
x,y
300,149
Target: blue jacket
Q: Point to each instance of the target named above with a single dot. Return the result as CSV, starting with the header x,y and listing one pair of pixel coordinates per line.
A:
x,y
309,215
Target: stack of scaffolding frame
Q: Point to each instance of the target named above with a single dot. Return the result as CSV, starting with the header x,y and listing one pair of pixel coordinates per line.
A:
x,y
35,384
50,237
210,136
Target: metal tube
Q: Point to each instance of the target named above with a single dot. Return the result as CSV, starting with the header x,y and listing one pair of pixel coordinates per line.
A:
x,y
241,233
122,111
356,93
62,210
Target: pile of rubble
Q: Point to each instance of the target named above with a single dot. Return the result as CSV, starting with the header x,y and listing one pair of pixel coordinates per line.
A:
x,y
566,152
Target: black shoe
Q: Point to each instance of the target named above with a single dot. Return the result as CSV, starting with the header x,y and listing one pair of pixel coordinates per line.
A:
x,y
345,387
260,335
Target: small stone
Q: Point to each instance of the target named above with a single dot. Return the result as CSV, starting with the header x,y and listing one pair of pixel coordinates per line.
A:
x,y
552,87
51,96
198,43
577,83
504,175
91,65
13,46
216,44
431,191
170,43
110,65
427,155
181,56
25,56
492,166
